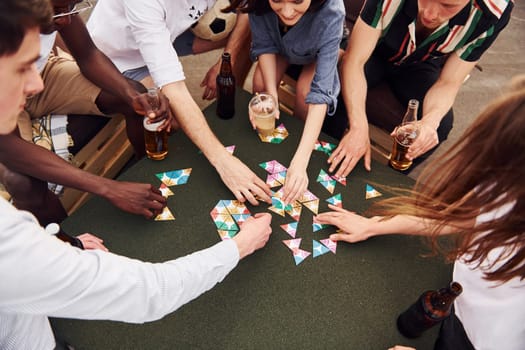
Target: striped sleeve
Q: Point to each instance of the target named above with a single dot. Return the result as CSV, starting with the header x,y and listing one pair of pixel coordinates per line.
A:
x,y
380,13
472,50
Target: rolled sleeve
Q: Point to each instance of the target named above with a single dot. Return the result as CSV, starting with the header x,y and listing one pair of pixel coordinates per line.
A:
x,y
262,40
325,86
472,51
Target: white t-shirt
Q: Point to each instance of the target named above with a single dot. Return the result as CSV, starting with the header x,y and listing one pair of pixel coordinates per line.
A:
x,y
492,314
42,276
137,33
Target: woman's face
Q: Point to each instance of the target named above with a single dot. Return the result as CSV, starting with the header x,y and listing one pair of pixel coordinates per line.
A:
x,y
290,11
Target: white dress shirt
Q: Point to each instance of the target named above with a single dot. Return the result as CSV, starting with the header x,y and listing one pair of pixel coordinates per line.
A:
x,y
41,276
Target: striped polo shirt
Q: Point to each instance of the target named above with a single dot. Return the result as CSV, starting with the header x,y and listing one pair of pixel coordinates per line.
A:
x,y
469,33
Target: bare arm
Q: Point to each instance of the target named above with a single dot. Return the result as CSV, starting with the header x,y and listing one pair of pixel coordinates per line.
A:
x,y
93,63
236,176
438,101
237,45
101,71
268,67
296,177
357,228
356,143
142,199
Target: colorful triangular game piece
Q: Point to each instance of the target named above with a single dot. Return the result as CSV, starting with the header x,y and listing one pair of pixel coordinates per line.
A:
x,y
279,135
230,149
317,226
336,200
371,192
290,228
225,222
313,206
294,210
299,255
307,196
323,176
329,185
240,218
278,211
165,215
175,177
272,181
318,249
165,191
293,244
340,179
332,245
273,166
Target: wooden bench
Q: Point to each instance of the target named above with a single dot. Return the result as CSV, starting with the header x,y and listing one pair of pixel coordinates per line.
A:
x,y
104,155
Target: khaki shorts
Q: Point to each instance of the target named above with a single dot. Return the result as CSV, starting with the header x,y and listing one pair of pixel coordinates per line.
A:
x,y
66,91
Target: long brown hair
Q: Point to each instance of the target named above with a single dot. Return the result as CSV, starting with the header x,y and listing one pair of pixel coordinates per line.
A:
x,y
482,172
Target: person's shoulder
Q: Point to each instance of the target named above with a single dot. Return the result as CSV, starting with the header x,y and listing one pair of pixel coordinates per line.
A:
x,y
495,8
333,6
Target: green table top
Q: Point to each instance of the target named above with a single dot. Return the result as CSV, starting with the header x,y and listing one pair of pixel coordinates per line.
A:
x,y
348,300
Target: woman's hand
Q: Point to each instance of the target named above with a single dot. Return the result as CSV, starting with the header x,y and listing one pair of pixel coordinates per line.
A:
x,y
355,228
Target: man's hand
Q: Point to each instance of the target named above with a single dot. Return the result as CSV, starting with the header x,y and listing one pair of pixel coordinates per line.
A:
x,y
90,241
156,112
354,145
136,198
427,139
254,234
244,184
354,227
209,83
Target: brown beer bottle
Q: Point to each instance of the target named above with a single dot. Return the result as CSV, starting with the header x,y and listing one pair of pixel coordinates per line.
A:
x,y
431,308
226,89
405,135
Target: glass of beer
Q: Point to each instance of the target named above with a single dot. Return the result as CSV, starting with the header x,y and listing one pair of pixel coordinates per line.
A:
x,y
156,141
263,109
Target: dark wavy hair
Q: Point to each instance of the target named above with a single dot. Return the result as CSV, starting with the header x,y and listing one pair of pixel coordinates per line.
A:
x,y
16,17
260,7
482,172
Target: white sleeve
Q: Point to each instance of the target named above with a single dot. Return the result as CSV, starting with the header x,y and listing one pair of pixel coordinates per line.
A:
x,y
44,276
147,21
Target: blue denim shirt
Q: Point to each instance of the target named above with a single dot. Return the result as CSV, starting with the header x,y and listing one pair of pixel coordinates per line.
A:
x,y
315,38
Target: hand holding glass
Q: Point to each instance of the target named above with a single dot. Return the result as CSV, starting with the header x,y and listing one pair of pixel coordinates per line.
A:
x,y
263,110
156,141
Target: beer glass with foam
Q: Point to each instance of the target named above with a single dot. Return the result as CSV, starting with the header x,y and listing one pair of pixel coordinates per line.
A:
x,y
156,141
263,109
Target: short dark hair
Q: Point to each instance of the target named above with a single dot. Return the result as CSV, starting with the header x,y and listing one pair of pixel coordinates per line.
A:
x,y
16,17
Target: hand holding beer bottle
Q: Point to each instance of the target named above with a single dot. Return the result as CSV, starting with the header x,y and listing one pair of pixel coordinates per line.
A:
x,y
404,136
